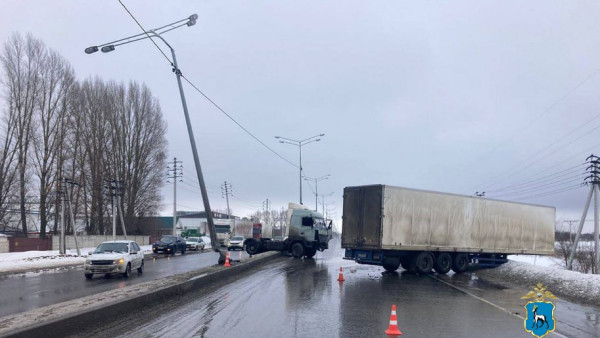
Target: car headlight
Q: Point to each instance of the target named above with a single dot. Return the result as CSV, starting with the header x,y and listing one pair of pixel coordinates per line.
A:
x,y
88,261
119,261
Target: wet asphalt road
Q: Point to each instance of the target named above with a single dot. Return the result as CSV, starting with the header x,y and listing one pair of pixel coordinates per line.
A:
x,y
301,298
26,291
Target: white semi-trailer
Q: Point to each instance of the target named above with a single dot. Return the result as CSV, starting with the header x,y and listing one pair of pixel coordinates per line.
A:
x,y
424,230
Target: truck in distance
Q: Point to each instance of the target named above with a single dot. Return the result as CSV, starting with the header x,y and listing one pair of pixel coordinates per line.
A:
x,y
424,230
306,233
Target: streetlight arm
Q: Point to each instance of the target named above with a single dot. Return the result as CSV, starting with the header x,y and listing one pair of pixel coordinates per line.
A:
x,y
292,143
288,139
311,141
147,34
312,138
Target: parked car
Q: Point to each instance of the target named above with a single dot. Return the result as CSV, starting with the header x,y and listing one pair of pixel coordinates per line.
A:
x,y
115,257
194,243
169,244
236,242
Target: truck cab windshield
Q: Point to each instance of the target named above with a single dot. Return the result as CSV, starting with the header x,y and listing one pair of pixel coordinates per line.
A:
x,y
320,224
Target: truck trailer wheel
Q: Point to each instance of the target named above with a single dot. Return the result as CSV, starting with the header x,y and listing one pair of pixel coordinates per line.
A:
x,y
391,264
405,263
460,263
422,263
252,247
297,250
443,263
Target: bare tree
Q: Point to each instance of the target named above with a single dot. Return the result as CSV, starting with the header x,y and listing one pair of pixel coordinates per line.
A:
x,y
49,132
137,148
22,61
7,167
94,107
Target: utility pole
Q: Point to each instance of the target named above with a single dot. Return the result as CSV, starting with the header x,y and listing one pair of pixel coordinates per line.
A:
x,y
120,191
174,173
323,202
226,192
115,189
265,205
593,180
61,193
71,212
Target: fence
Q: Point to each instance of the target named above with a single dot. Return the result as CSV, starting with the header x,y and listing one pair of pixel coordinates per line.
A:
x,y
20,244
3,244
93,241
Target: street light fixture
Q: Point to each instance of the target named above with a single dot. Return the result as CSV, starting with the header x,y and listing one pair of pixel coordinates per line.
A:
x,y
316,180
300,143
189,21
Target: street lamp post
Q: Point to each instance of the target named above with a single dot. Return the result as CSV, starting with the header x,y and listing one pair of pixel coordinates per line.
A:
x,y
316,180
300,143
189,21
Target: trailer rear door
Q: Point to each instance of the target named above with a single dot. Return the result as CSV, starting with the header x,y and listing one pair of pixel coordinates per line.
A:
x,y
362,221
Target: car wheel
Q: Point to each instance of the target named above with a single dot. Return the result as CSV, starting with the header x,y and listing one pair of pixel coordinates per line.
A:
x,y
141,268
127,272
89,275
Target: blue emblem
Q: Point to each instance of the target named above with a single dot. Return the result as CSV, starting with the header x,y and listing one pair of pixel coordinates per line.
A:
x,y
539,320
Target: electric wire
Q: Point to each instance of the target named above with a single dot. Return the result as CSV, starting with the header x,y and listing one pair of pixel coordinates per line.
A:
x,y
545,187
540,152
544,112
237,123
554,104
561,173
550,193
145,32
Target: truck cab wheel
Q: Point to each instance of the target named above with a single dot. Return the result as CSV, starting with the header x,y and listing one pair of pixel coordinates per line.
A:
x,y
460,262
443,263
297,250
310,252
251,247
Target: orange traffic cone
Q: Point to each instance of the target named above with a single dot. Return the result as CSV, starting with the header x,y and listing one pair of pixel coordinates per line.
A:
x,y
227,259
341,276
393,329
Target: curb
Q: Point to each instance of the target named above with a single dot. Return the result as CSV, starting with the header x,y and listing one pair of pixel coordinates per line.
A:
x,y
56,320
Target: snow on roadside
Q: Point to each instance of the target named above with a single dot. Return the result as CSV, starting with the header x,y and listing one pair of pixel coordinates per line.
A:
x,y
38,260
550,271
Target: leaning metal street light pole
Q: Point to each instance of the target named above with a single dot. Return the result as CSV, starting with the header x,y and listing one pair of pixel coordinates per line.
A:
x,y
300,143
190,21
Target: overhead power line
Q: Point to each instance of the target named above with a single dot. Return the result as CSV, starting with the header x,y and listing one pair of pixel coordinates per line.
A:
x,y
536,182
148,35
236,122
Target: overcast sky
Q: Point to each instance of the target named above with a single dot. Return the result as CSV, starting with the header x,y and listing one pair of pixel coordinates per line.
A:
x,y
459,96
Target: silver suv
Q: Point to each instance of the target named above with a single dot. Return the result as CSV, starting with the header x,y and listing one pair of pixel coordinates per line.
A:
x,y
115,257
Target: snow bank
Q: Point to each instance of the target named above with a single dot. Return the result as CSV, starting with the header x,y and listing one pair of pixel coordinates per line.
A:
x,y
14,262
550,271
